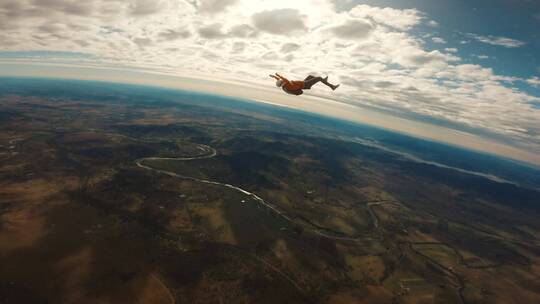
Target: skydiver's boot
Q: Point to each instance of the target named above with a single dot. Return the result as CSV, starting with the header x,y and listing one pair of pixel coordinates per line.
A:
x,y
332,86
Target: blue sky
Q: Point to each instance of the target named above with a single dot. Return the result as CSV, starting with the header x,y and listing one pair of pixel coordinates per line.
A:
x,y
470,66
519,20
457,19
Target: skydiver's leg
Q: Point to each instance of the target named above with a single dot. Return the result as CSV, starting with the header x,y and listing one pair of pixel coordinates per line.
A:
x,y
310,81
332,86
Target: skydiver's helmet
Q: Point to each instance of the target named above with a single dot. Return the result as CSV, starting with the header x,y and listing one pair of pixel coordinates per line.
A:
x,y
279,83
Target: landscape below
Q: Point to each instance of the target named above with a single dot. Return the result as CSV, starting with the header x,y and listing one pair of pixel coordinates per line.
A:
x,y
112,193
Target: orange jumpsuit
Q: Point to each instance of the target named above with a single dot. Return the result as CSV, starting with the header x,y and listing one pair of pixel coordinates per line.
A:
x,y
292,87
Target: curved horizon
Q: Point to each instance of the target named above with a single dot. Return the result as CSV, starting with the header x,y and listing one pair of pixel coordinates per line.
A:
x,y
270,95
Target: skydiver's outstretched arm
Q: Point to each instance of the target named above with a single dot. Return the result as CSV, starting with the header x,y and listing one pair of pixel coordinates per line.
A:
x,y
282,78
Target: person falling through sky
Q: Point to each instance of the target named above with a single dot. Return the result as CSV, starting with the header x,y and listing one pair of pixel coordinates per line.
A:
x,y
296,87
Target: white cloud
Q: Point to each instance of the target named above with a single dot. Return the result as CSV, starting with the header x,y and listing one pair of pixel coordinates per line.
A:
x,y
534,81
170,34
433,23
289,47
239,47
212,31
214,6
137,7
398,19
375,52
499,41
482,56
143,42
243,31
353,29
416,57
438,40
279,21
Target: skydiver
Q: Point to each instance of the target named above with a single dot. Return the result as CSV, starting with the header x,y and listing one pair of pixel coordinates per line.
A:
x,y
296,87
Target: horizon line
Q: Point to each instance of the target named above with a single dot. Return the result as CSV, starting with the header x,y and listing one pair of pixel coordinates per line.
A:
x,y
313,104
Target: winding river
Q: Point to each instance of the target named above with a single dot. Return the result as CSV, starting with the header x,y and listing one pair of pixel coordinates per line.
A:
x,y
210,153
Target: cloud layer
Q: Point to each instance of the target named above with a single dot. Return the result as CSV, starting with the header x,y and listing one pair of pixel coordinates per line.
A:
x,y
374,52
498,41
